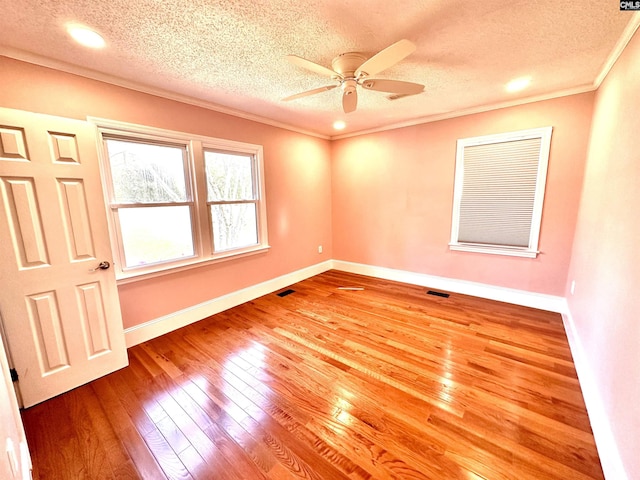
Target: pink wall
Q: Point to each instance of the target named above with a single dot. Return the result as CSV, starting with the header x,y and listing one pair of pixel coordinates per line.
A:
x,y
385,199
393,195
297,174
606,254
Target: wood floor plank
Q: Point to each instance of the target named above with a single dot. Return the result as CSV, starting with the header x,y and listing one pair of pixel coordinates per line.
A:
x,y
258,407
94,454
385,382
42,440
121,463
125,427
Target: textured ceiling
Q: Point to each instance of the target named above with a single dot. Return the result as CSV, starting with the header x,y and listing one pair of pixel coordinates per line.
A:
x,y
231,53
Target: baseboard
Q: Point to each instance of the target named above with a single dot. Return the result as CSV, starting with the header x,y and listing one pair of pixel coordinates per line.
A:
x,y
605,441
159,326
550,303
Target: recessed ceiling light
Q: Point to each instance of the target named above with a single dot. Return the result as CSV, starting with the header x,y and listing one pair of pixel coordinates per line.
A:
x,y
518,84
339,125
85,36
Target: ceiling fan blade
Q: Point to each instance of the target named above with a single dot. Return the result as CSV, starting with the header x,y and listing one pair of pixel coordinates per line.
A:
x,y
386,58
349,101
314,67
392,86
309,92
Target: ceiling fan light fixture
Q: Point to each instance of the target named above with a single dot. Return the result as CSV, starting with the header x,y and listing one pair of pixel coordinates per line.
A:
x,y
339,125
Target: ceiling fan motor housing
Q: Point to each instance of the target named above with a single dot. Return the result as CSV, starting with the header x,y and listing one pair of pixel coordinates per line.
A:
x,y
347,63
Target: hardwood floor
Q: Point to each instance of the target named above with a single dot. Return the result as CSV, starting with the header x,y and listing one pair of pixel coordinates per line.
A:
x,y
324,383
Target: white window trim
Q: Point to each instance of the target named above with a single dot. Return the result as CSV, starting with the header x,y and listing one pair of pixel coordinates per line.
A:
x,y
195,145
531,251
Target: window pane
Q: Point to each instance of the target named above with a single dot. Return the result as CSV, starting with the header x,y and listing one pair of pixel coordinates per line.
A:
x,y
229,176
155,234
147,173
234,226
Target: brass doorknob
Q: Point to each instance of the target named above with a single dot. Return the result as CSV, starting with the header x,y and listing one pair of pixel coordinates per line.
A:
x,y
101,266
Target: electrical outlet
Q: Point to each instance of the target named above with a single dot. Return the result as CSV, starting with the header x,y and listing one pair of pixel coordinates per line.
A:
x,y
573,287
319,248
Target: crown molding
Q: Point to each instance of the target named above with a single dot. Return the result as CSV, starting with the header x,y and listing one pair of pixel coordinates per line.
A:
x,y
42,61
619,47
471,111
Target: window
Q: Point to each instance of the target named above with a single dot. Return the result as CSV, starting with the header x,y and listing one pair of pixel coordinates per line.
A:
x,y
151,202
176,200
232,200
499,191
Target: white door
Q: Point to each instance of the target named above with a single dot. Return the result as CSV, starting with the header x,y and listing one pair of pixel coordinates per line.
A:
x,y
61,312
16,461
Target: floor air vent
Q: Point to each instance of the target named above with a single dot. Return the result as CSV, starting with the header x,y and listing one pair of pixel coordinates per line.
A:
x,y
437,294
286,292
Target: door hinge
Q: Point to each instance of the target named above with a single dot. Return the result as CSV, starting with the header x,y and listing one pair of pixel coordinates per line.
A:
x,y
14,375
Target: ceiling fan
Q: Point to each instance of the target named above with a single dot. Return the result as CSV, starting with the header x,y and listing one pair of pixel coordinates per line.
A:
x,y
352,69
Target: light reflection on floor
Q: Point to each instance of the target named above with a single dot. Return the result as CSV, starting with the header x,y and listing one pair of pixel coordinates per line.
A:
x,y
241,407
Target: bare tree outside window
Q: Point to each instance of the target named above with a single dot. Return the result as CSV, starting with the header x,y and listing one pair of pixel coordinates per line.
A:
x,y
232,199
144,173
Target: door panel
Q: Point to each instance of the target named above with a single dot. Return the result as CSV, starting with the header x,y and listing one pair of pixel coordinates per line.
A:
x,y
46,328
76,219
94,319
24,221
61,312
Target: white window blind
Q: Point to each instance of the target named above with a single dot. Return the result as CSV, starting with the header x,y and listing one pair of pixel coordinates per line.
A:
x,y
499,190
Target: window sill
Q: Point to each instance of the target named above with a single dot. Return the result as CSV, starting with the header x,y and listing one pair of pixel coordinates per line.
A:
x,y
124,278
494,250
